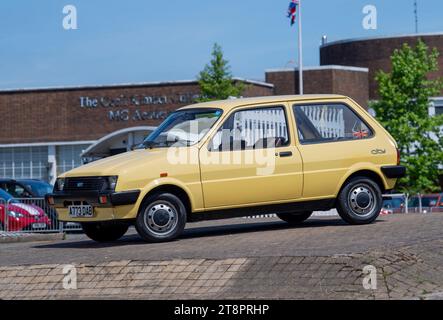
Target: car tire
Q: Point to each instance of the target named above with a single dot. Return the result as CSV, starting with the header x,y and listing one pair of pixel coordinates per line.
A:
x,y
295,218
161,218
2,228
105,231
360,201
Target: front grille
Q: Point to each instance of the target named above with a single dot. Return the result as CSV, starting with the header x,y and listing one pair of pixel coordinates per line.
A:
x,y
84,184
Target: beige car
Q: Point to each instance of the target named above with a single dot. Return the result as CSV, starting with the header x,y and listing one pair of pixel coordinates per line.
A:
x,y
289,155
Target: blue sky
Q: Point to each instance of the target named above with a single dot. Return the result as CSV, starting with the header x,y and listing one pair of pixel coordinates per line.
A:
x,y
143,40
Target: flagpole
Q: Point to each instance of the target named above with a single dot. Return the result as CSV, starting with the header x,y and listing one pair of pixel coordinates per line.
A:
x,y
300,50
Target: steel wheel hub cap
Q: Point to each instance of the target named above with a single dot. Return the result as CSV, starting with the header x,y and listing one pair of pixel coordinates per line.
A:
x,y
161,218
362,200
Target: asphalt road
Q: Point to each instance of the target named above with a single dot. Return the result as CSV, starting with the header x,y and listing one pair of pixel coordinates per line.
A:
x,y
236,238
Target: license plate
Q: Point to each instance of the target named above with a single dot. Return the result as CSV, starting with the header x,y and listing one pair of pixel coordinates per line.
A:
x,y
82,211
39,225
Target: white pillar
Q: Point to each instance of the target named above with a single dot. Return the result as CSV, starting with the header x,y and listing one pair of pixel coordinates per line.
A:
x,y
52,164
130,141
300,52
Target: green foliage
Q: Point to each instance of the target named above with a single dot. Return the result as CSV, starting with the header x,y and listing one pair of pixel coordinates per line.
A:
x,y
403,111
216,81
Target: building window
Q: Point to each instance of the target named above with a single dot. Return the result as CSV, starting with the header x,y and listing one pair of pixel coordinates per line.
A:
x,y
68,157
438,110
24,162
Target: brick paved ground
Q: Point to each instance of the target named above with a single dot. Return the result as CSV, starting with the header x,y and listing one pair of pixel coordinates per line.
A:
x,y
407,252
9,237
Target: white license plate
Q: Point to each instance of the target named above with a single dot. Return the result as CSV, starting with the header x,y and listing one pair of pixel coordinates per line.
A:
x,y
39,225
82,211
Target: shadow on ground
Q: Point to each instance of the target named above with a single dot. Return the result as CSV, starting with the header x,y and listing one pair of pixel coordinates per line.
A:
x,y
202,232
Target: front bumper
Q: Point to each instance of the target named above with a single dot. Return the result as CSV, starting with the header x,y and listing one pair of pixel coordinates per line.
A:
x,y
394,172
119,205
64,199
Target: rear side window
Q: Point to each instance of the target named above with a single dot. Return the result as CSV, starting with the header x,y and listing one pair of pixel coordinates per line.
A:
x,y
321,123
258,128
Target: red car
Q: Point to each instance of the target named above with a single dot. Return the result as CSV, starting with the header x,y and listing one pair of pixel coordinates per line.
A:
x,y
21,216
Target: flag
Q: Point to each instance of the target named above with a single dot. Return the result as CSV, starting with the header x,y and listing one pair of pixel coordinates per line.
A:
x,y
360,134
292,11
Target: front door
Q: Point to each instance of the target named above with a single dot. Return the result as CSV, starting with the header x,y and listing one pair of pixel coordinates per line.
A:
x,y
251,160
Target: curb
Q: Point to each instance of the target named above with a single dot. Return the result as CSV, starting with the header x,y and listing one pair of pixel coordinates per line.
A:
x,y
30,237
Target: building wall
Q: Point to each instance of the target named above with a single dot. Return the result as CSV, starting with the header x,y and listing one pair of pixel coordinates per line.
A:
x,y
352,82
283,81
375,54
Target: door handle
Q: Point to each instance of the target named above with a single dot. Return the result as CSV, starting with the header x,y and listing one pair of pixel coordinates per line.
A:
x,y
285,154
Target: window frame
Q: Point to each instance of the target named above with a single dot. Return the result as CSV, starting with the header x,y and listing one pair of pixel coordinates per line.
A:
x,y
251,108
294,105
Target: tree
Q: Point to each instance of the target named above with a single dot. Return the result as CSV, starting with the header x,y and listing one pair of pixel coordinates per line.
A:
x,y
216,81
403,111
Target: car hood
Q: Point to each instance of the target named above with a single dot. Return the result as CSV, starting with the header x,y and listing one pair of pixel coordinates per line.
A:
x,y
119,164
26,209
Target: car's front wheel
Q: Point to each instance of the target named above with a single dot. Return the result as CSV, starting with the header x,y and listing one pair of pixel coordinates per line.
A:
x,y
295,218
162,217
105,231
360,201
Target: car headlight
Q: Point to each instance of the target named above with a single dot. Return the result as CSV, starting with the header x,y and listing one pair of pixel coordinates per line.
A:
x,y
15,214
59,184
112,182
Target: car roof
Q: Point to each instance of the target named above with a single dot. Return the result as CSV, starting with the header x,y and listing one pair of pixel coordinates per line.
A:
x,y
230,104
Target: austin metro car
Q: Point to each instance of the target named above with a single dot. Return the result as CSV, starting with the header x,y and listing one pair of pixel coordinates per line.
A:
x,y
289,155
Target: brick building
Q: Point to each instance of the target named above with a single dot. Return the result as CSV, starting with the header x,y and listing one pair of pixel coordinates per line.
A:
x,y
332,79
349,67
375,53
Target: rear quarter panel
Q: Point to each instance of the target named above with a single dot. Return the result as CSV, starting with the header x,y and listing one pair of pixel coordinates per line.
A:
x,y
328,165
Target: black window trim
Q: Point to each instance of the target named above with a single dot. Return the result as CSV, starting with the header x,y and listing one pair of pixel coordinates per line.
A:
x,y
249,108
373,132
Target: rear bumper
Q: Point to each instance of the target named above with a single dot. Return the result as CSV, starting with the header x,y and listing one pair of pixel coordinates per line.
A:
x,y
63,199
394,172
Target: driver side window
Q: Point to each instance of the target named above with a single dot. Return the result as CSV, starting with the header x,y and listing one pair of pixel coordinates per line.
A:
x,y
252,129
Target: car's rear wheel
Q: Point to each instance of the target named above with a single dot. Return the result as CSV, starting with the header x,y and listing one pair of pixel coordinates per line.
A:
x,y
105,231
295,218
360,201
162,217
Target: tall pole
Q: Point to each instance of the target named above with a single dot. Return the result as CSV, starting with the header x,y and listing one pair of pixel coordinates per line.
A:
x,y
416,15
300,50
